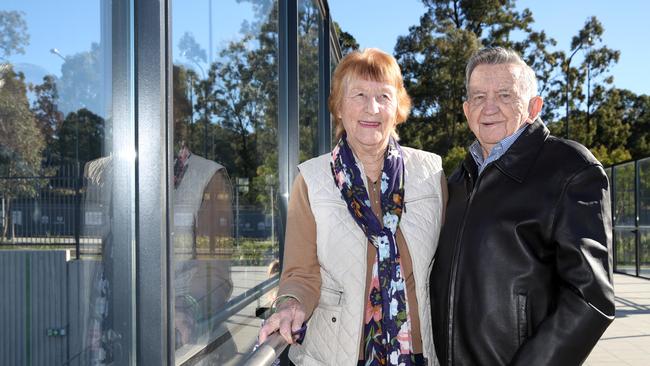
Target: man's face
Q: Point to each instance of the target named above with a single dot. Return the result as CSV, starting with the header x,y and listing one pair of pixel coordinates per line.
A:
x,y
497,106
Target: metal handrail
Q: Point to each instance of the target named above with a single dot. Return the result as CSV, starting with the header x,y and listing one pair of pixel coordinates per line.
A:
x,y
268,351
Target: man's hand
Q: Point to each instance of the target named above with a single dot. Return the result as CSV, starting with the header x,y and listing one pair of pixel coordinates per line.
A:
x,y
287,319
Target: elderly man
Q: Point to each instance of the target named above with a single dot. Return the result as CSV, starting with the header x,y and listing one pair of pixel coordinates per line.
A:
x,y
522,275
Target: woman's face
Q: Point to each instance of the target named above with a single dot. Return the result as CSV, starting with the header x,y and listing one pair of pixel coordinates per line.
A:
x,y
368,112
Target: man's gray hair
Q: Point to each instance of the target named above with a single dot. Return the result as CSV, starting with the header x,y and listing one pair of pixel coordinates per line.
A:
x,y
500,56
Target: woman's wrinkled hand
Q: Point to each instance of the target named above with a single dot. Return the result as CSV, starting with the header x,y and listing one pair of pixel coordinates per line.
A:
x,y
288,319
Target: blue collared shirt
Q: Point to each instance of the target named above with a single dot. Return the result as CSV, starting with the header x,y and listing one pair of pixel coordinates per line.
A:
x,y
497,151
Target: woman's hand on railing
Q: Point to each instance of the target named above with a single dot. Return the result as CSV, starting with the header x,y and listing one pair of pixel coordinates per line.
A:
x,y
288,319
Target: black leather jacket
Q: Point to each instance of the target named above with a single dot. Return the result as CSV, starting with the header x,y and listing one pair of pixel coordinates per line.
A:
x,y
522,275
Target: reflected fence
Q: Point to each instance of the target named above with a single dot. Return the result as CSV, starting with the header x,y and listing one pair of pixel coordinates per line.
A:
x,y
59,210
630,192
54,211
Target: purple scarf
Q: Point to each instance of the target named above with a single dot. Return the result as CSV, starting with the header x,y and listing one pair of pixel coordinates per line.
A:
x,y
387,330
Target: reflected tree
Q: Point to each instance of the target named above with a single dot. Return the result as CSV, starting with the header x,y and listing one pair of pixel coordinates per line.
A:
x,y
80,137
48,116
81,85
21,143
308,80
13,34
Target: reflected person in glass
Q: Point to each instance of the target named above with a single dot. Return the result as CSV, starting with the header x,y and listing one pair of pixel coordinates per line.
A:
x,y
362,228
202,225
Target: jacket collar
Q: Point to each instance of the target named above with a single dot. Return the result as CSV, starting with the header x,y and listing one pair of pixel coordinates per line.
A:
x,y
519,158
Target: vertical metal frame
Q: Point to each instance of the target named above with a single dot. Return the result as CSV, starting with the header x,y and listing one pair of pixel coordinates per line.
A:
x,y
152,250
119,261
324,66
612,210
637,230
288,131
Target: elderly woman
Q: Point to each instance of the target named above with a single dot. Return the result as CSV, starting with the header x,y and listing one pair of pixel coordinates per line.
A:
x,y
362,229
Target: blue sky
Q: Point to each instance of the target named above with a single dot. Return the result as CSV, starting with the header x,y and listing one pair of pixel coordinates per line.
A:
x,y
71,26
378,23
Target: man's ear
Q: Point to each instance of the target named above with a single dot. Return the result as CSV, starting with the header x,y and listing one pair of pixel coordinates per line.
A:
x,y
534,107
466,110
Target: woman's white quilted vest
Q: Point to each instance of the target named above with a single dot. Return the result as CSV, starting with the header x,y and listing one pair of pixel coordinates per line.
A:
x,y
335,328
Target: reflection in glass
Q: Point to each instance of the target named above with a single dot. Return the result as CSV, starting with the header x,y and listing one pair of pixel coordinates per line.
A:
x,y
308,20
224,208
644,191
624,210
66,187
644,253
333,63
625,251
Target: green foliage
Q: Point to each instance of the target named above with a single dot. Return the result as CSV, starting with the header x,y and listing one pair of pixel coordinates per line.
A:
x,y
308,80
433,57
48,116
21,141
614,123
80,137
347,42
609,157
452,159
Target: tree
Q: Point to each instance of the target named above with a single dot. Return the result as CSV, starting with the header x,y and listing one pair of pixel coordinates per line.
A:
x,y
21,142
637,115
593,71
308,93
433,57
80,137
191,49
81,85
13,33
48,116
347,42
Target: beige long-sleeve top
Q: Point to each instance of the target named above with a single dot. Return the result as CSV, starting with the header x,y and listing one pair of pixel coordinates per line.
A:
x,y
301,272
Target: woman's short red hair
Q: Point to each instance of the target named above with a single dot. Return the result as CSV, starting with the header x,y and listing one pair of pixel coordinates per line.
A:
x,y
374,65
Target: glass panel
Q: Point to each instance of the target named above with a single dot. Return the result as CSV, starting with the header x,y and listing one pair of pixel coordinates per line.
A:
x,y
308,20
624,195
644,192
625,251
644,253
66,183
224,200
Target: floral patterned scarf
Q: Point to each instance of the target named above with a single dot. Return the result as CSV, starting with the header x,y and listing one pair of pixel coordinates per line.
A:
x,y
387,330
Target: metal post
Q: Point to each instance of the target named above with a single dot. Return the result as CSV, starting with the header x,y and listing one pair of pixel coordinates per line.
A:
x,y
77,215
324,62
237,213
153,177
637,230
288,138
614,218
272,217
588,95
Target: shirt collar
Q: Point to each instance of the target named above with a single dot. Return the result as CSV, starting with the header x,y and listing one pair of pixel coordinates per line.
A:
x,y
497,151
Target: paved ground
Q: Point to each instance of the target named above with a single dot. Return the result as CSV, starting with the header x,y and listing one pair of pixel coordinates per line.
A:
x,y
627,340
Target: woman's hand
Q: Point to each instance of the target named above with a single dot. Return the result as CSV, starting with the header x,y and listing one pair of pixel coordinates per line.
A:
x,y
288,318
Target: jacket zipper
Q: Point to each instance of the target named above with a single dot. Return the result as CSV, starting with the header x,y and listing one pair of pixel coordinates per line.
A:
x,y
452,282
